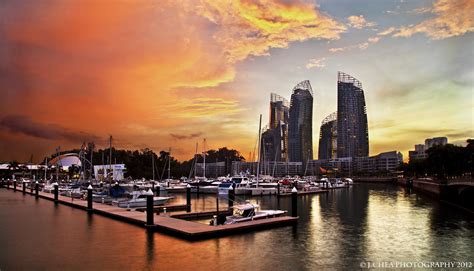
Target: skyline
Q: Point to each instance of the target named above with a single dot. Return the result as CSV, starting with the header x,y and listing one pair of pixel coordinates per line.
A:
x,y
167,74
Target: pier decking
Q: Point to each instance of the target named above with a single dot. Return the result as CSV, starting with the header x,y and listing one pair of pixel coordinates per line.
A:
x,y
164,222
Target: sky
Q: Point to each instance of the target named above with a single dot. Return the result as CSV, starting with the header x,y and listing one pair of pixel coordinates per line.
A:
x,y
167,74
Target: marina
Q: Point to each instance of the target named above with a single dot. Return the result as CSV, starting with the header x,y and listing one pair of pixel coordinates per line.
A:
x,y
340,228
162,222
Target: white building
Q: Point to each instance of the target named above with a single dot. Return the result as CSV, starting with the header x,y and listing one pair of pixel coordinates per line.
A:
x,y
102,171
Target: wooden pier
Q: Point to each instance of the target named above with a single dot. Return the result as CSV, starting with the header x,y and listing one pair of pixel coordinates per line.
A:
x,y
165,223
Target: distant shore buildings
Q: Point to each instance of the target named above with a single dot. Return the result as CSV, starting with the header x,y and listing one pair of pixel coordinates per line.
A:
x,y
420,149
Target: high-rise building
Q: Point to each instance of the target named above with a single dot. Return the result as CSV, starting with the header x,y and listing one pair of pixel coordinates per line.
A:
x,y
300,125
274,145
279,110
328,137
352,128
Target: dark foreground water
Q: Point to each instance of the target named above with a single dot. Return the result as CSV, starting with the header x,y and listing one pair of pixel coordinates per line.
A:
x,y
338,230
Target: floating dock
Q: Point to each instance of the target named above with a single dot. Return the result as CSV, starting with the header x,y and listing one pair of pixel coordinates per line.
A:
x,y
300,193
165,223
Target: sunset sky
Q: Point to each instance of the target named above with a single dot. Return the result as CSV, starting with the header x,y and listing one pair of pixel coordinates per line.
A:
x,y
162,74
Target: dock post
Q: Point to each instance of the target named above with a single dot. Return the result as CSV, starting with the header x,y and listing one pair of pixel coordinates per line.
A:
x,y
14,185
188,198
278,189
149,208
31,188
36,189
197,190
157,190
24,187
231,196
294,202
56,191
89,198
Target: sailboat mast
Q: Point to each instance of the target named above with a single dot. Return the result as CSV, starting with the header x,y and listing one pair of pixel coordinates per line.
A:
x,y
169,164
259,147
204,154
110,160
45,168
195,159
153,164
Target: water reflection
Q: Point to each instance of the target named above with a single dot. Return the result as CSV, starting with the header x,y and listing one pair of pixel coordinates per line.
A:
x,y
338,229
150,246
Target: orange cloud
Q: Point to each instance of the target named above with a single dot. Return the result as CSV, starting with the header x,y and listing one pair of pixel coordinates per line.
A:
x,y
140,70
452,18
253,27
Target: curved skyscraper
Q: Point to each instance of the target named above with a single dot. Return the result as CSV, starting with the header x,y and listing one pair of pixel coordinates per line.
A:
x,y
328,137
300,125
352,129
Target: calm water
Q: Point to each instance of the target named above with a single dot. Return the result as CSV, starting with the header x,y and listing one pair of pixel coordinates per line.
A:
x,y
336,230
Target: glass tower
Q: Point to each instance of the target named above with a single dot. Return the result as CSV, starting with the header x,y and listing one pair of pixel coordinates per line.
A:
x,y
328,137
300,125
352,129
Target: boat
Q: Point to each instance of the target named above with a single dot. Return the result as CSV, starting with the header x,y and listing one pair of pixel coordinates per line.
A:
x,y
348,181
248,212
223,188
210,189
76,193
337,183
139,200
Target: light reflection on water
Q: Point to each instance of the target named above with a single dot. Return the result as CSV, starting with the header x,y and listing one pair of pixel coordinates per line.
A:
x,y
338,229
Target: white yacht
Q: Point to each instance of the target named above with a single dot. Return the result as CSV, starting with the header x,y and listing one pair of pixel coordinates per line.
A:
x,y
249,211
139,200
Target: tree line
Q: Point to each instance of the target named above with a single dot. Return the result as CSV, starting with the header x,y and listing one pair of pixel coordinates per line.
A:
x,y
444,161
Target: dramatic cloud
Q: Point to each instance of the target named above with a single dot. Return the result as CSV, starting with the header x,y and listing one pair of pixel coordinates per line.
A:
x,y
25,125
359,22
247,28
452,18
316,63
125,67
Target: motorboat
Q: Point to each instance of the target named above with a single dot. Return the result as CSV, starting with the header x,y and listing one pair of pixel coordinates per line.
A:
x,y
348,181
139,200
76,193
223,188
210,189
337,183
249,211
